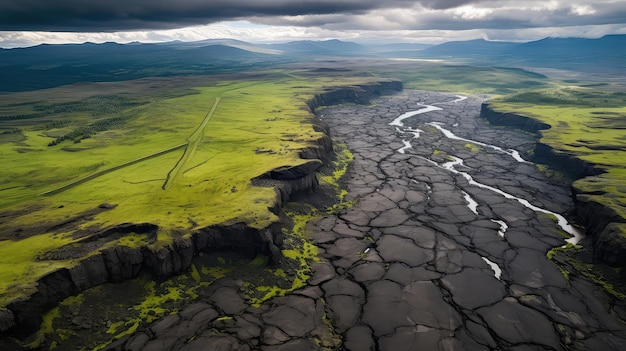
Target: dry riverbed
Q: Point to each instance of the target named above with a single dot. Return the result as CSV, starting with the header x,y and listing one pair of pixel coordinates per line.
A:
x,y
444,249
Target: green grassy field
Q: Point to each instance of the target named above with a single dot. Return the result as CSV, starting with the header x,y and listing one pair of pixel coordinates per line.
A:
x,y
52,191
589,123
466,79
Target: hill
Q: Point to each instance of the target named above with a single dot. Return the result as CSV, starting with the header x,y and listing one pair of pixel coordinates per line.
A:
x,y
602,55
46,66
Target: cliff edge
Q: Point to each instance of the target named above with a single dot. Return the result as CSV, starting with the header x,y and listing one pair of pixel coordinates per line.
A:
x,y
605,223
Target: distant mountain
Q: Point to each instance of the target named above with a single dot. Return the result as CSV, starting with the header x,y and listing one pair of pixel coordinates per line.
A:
x,y
46,66
326,47
224,41
467,48
606,54
398,47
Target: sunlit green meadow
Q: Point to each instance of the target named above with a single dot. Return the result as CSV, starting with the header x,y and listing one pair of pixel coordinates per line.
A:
x,y
258,125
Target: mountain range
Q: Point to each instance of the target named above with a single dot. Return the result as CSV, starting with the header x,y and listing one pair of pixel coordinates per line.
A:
x,y
45,65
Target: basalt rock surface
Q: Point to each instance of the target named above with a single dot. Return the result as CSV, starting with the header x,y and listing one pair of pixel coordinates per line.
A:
x,y
413,264
602,222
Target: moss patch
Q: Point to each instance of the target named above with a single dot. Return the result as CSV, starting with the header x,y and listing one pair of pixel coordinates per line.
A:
x,y
568,260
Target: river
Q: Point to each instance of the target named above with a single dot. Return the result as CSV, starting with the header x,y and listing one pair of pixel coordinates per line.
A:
x,y
459,225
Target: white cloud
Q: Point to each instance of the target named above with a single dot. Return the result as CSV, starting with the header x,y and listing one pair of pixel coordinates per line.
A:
x,y
471,12
582,10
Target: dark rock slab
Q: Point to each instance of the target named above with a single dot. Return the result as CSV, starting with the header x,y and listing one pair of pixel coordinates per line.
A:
x,y
518,324
376,202
359,338
472,288
385,310
405,275
343,286
322,271
190,311
422,236
410,339
344,311
428,307
368,271
203,318
533,269
228,300
342,229
390,218
294,345
137,342
164,324
357,217
349,248
294,315
215,343
160,344
395,249
273,336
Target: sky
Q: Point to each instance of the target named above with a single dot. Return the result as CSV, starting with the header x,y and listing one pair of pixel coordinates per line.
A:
x,y
32,22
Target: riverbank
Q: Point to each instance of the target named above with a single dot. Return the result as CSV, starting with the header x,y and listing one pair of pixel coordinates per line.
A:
x,y
598,195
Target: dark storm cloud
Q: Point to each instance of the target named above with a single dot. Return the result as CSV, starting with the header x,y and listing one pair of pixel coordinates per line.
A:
x,y
85,15
445,4
123,15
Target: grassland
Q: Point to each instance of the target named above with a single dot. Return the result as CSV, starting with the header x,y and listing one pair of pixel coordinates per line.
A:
x,y
117,170
589,123
466,79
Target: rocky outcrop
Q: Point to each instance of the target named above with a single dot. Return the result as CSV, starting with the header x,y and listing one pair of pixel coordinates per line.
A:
x,y
23,316
511,119
360,94
607,226
602,222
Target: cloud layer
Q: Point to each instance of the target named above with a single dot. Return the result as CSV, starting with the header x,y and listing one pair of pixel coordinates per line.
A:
x,y
32,21
116,15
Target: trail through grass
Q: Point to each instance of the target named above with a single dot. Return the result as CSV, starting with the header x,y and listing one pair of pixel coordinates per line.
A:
x,y
192,144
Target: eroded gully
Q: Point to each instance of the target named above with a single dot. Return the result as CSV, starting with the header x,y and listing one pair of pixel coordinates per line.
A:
x,y
444,249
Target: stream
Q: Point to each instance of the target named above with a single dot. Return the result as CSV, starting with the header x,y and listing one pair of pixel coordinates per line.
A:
x,y
576,235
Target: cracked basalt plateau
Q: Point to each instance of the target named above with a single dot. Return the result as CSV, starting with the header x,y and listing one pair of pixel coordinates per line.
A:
x,y
407,267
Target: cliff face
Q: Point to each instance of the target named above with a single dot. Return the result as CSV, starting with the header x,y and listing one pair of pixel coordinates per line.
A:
x,y
360,94
122,262
22,317
604,223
